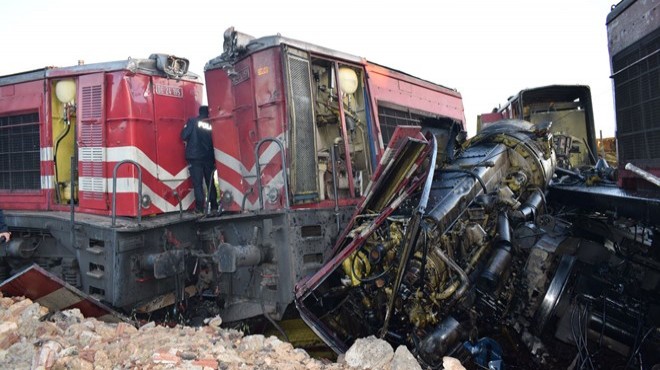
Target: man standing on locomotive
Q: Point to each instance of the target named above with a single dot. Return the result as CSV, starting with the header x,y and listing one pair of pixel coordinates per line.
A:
x,y
5,235
196,135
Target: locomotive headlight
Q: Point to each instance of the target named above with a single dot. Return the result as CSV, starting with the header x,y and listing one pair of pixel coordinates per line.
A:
x,y
272,195
227,198
348,80
146,201
65,90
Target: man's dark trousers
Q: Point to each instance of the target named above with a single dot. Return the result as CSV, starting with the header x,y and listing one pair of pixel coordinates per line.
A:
x,y
202,173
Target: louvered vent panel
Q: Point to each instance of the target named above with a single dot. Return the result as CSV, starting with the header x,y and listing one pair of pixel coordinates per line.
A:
x,y
92,102
93,187
91,134
303,115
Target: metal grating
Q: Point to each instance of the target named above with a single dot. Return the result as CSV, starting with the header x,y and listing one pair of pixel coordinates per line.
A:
x,y
91,133
305,183
92,102
92,153
20,152
637,92
92,181
389,118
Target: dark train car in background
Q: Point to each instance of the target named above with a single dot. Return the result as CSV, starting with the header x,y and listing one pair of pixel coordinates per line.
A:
x,y
633,34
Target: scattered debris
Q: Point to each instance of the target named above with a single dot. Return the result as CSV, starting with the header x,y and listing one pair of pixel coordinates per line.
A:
x,y
31,337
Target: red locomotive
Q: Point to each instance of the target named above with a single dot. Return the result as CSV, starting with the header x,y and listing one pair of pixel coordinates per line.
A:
x,y
89,151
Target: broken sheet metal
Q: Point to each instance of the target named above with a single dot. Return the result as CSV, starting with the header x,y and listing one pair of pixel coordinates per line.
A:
x,y
49,291
400,173
431,245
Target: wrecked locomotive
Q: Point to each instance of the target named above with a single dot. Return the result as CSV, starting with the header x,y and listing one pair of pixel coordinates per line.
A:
x,y
427,260
95,190
481,252
515,248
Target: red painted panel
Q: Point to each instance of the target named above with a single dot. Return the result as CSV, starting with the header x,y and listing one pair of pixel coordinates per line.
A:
x,y
225,136
41,286
145,117
398,88
271,112
487,118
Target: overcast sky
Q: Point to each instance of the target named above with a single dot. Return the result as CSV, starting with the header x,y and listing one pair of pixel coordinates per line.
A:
x,y
487,50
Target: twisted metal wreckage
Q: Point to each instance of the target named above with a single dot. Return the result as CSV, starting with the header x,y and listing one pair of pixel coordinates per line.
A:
x,y
455,250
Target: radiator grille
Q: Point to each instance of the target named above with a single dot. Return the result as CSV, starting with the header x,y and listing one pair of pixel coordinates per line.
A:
x,y
304,184
389,118
19,152
92,181
637,93
91,134
92,153
92,102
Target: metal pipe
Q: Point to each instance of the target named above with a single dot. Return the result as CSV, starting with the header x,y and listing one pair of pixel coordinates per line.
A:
x,y
284,174
503,228
465,282
467,172
250,191
411,237
114,190
344,134
334,184
207,197
178,199
424,199
72,202
529,209
564,171
653,179
410,240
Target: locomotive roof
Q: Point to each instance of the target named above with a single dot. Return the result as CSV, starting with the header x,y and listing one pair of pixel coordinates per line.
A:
x,y
136,65
238,45
617,9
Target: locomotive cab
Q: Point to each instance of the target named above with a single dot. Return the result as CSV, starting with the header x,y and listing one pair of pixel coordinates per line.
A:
x,y
66,129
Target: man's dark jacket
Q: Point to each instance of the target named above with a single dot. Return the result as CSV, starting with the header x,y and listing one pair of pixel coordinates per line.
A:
x,y
3,225
199,146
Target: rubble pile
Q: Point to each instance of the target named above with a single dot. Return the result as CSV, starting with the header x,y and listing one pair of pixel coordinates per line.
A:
x,y
33,338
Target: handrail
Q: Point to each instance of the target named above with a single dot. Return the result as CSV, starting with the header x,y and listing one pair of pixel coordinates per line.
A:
x,y
207,198
284,174
178,199
114,190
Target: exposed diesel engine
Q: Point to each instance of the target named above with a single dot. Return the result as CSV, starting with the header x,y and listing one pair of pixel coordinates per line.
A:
x,y
458,252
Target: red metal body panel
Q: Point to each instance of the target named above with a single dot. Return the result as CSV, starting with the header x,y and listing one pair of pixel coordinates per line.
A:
x,y
387,85
144,126
488,118
244,110
121,115
46,289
